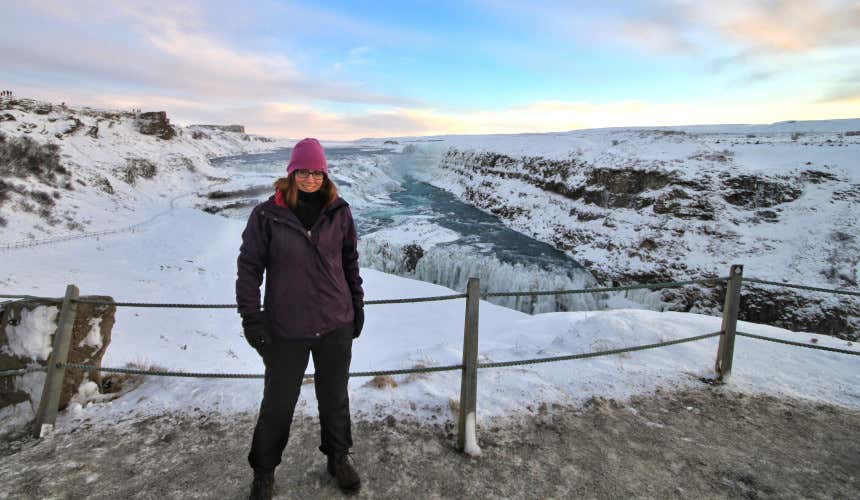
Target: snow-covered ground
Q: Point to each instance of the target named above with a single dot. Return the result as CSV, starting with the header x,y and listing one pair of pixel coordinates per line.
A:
x,y
796,246
639,204
185,255
191,255
115,175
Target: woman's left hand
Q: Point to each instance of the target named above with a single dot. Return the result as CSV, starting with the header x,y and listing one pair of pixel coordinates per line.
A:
x,y
358,322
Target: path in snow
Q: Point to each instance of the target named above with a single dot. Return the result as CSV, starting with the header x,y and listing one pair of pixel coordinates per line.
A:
x,y
94,234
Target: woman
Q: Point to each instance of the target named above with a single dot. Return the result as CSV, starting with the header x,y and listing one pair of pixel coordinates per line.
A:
x,y
303,238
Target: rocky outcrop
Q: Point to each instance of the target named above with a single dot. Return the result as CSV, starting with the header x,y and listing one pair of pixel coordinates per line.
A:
x,y
155,123
226,128
658,217
26,339
752,191
136,168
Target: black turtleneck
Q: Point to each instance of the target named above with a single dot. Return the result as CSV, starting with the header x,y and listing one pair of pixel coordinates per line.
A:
x,y
309,207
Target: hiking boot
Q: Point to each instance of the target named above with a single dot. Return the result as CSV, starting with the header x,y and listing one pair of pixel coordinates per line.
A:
x,y
343,470
264,483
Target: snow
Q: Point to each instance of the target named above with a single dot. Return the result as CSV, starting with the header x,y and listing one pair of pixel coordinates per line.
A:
x,y
471,447
810,241
191,258
414,229
32,337
94,337
87,391
184,255
592,143
181,163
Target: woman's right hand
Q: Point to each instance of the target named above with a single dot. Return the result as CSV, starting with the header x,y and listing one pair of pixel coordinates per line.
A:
x,y
254,327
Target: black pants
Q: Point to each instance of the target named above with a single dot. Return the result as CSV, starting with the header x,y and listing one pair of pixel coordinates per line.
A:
x,y
286,361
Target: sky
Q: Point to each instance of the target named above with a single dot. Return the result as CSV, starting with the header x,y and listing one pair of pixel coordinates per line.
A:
x,y
346,70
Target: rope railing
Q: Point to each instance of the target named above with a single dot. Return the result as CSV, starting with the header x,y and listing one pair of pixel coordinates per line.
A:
x,y
234,306
429,369
46,415
653,286
798,344
12,245
645,286
168,373
30,297
404,371
803,287
596,354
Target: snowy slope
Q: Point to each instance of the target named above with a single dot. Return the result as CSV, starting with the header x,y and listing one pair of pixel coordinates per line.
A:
x,y
670,203
191,258
185,255
106,173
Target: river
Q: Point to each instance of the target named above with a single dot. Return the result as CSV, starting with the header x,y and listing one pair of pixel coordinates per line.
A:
x,y
410,228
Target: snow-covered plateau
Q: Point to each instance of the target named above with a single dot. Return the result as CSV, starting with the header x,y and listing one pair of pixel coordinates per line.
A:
x,y
67,170
665,204
630,204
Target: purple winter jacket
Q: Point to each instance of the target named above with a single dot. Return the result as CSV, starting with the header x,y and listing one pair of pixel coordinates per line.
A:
x,y
312,277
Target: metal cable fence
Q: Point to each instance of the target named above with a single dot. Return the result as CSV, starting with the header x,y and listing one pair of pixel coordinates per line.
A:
x,y
234,306
803,287
404,371
94,234
468,393
652,286
798,344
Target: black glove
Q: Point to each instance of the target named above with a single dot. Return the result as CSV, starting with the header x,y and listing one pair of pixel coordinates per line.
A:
x,y
358,322
254,327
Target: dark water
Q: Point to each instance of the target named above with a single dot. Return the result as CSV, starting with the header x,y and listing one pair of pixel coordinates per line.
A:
x,y
482,232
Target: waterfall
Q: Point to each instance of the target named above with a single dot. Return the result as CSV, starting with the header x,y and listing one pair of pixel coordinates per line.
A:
x,y
453,266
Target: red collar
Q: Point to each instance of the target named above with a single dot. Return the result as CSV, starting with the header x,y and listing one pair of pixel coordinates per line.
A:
x,y
279,198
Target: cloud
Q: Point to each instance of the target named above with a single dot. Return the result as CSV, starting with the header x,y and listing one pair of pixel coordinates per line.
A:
x,y
649,36
309,20
671,27
536,117
848,89
165,48
296,120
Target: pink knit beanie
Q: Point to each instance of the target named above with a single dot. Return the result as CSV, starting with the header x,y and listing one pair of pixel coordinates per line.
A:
x,y
307,154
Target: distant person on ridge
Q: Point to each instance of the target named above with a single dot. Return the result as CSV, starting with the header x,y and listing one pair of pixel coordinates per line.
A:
x,y
304,239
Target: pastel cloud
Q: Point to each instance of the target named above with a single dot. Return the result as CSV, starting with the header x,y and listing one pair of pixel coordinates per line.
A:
x,y
673,26
783,25
167,49
543,116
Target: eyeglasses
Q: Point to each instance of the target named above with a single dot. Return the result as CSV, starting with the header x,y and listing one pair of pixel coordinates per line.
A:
x,y
303,174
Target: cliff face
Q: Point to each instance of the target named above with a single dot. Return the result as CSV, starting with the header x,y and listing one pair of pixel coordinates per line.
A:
x,y
636,206
155,123
239,129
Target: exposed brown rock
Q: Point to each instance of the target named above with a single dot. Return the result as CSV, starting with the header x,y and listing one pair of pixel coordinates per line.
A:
x,y
83,349
155,123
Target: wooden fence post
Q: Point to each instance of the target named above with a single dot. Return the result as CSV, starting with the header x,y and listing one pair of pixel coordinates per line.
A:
x,y
467,435
50,401
726,349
